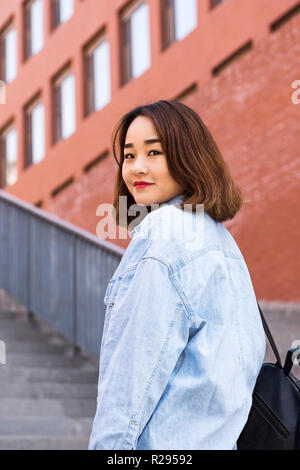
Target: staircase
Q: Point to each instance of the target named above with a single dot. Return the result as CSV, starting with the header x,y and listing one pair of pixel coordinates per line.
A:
x,y
47,394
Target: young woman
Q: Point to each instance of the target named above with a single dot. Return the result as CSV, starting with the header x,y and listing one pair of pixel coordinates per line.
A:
x,y
183,342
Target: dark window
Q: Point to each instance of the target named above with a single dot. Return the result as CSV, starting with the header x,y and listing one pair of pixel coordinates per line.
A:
x,y
61,11
27,28
8,156
214,3
2,162
89,83
28,139
134,31
56,106
2,58
167,22
55,17
178,19
97,87
33,27
34,131
63,104
126,61
8,45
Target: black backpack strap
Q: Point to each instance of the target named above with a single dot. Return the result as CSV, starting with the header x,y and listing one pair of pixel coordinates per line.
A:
x,y
297,437
270,337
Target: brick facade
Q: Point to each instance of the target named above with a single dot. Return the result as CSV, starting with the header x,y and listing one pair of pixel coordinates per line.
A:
x,y
235,70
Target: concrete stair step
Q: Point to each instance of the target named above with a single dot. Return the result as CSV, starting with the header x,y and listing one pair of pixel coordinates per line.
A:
x,y
44,443
46,360
42,374
48,395
72,407
21,317
44,426
21,389
20,326
13,314
38,347
32,335
24,324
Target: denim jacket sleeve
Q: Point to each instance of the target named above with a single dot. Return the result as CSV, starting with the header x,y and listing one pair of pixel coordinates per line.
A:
x,y
148,330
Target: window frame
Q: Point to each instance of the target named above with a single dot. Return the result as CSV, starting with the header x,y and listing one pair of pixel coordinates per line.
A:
x,y
3,65
28,129
89,73
27,29
3,156
57,102
125,44
168,23
167,15
55,14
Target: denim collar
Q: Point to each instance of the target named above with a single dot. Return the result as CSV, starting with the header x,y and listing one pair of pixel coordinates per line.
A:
x,y
175,200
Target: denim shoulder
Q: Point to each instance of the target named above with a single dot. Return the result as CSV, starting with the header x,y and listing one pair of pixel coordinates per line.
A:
x,y
174,236
179,235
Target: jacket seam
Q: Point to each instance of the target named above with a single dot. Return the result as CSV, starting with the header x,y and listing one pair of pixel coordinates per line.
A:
x,y
187,307
203,252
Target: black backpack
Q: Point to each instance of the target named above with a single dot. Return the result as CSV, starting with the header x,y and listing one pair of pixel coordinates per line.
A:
x,y
274,418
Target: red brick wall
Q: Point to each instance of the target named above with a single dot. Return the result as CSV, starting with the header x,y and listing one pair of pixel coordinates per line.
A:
x,y
249,110
247,107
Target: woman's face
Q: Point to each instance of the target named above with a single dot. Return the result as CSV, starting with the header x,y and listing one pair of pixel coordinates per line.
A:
x,y
145,161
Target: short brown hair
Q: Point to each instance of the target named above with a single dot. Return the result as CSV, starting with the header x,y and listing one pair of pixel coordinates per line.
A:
x,y
193,158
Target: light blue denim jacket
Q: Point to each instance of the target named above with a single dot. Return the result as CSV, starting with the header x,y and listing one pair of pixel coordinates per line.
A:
x,y
183,341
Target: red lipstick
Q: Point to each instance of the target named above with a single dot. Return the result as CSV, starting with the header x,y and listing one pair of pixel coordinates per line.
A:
x,y
141,184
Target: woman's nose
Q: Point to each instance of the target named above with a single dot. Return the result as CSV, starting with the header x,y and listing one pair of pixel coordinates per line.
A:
x,y
138,170
139,167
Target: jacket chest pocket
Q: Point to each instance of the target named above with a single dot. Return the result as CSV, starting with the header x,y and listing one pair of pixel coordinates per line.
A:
x,y
115,292
118,287
109,298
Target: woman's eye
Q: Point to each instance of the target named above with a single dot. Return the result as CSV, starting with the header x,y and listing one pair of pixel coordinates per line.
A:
x,y
128,154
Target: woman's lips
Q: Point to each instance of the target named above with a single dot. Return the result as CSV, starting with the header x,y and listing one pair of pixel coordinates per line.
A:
x,y
141,186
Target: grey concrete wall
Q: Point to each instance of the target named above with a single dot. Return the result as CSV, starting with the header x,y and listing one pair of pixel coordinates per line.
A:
x,y
284,323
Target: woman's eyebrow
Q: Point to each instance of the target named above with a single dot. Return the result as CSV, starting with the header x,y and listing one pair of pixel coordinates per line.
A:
x,y
147,141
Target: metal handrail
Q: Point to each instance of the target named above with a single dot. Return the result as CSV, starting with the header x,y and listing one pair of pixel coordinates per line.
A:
x,y
57,270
